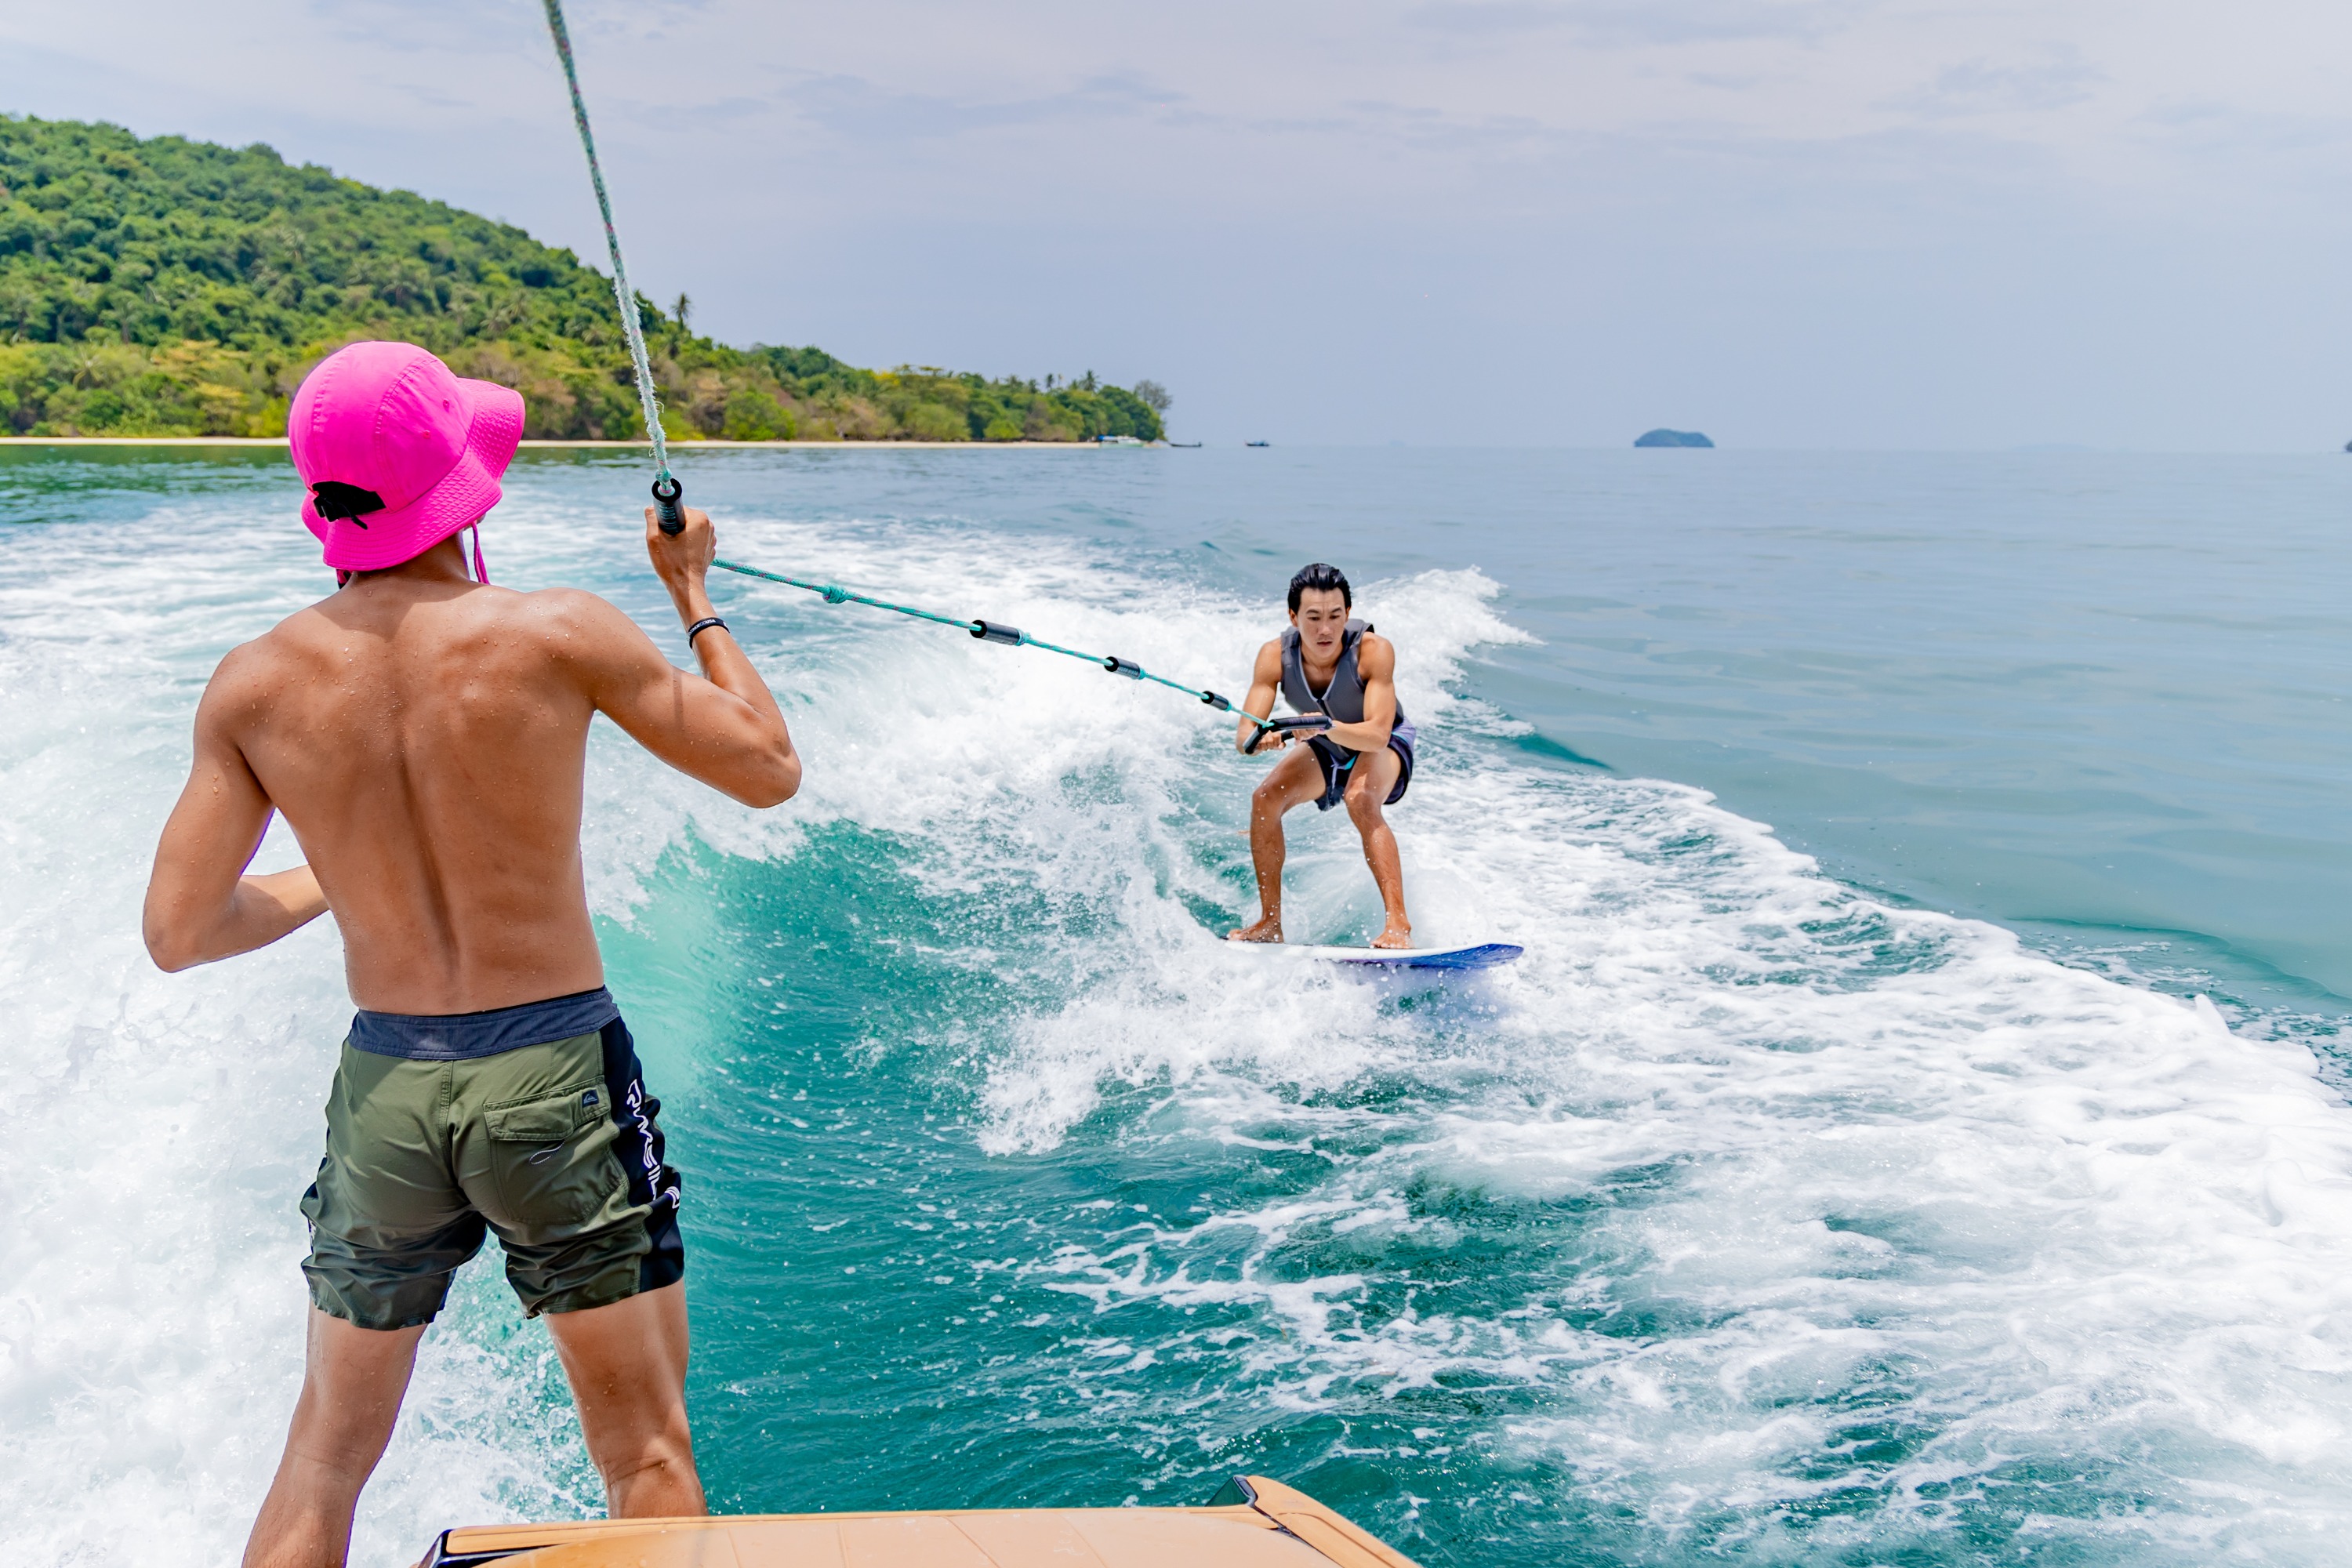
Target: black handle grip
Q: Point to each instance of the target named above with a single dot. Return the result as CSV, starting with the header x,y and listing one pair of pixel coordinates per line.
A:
x,y
666,510
1314,723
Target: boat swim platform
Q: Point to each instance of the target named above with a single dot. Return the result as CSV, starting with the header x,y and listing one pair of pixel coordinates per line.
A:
x,y
1272,1526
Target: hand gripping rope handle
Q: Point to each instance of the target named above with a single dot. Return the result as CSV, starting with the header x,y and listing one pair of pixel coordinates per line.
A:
x,y
668,511
1312,723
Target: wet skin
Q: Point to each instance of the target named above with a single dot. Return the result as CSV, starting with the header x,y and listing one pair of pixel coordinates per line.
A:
x,y
1322,621
425,738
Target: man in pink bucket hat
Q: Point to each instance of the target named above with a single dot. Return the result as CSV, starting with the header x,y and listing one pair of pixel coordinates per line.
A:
x,y
399,453
425,735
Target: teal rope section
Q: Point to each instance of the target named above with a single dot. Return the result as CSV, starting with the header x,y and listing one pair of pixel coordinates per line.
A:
x,y
989,631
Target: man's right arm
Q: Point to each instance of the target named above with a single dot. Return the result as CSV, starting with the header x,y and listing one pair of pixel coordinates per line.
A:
x,y
201,904
1266,680
723,728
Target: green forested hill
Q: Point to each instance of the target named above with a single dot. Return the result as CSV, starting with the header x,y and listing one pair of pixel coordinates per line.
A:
x,y
167,286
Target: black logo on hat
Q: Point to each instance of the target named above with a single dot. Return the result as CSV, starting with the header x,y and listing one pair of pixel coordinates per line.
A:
x,y
337,502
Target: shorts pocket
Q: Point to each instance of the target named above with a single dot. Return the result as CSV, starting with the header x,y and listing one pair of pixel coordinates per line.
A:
x,y
552,1158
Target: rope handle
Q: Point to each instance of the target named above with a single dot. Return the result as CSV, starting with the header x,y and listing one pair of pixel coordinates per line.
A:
x,y
1313,723
668,514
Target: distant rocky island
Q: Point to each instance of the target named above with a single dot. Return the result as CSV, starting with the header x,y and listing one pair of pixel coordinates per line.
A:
x,y
173,287
1672,438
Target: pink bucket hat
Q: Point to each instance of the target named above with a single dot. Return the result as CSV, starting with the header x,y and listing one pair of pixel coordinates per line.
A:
x,y
398,453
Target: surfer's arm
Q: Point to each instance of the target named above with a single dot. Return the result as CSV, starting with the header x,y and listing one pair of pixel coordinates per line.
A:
x,y
723,726
1266,680
1376,663
200,904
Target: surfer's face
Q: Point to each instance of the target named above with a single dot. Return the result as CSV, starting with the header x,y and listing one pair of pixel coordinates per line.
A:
x,y
1321,617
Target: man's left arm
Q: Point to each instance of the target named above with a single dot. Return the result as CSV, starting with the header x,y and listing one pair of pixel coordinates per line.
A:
x,y
200,904
1376,663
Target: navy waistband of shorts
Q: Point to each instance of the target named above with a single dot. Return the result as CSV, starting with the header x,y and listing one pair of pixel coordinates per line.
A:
x,y
462,1036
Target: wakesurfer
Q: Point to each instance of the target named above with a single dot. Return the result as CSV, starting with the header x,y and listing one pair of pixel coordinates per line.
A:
x,y
1329,664
425,735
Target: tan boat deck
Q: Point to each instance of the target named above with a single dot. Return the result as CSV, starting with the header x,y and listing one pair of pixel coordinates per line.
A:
x,y
1281,1528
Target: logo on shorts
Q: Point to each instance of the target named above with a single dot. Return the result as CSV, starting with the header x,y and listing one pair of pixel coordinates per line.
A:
x,y
588,1101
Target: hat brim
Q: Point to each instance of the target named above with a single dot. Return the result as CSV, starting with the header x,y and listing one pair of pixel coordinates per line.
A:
x,y
461,495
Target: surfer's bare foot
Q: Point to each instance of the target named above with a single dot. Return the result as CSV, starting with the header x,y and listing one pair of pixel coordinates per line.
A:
x,y
1266,928
1396,934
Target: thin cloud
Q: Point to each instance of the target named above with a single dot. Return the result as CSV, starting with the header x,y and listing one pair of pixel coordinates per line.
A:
x,y
2058,79
1620,24
859,109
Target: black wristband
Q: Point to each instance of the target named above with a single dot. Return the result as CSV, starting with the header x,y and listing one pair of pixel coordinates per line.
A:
x,y
702,625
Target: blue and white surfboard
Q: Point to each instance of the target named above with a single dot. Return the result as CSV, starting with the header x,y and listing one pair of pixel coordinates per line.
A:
x,y
1468,955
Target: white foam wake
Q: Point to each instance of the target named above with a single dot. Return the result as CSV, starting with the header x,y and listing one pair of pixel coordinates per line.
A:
x,y
1828,1165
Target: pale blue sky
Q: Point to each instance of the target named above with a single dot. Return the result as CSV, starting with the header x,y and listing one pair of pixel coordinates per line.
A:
x,y
1790,223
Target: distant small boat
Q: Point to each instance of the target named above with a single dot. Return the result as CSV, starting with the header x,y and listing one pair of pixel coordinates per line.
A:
x,y
1258,443
1183,443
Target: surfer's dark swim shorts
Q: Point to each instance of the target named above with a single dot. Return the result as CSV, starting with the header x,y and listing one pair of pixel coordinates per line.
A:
x,y
1338,765
531,1121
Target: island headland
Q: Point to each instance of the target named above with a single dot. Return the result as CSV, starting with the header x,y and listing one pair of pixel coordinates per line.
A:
x,y
161,287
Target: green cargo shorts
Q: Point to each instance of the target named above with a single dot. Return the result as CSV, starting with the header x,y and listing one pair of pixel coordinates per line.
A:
x,y
421,1156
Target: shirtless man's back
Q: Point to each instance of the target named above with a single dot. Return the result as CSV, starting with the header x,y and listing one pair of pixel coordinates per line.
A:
x,y
425,735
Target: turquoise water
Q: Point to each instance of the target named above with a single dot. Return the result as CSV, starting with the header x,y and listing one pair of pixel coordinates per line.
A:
x,y
1948,1173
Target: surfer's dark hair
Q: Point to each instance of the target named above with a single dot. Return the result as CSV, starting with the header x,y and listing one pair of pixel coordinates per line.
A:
x,y
1316,575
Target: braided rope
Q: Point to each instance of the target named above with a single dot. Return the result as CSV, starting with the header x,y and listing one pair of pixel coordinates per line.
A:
x,y
832,594
622,292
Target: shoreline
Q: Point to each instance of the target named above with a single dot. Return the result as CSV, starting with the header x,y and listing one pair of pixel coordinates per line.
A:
x,y
616,446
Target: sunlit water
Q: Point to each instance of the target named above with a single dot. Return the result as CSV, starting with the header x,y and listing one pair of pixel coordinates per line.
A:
x,y
1753,1214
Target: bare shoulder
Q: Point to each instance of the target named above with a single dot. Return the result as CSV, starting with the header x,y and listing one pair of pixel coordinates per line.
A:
x,y
566,622
580,629
254,678
246,678
1269,660
1375,655
565,613
253,671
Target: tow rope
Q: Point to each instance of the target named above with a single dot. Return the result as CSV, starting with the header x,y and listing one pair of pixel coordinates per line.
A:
x,y
667,490
1013,636
668,493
